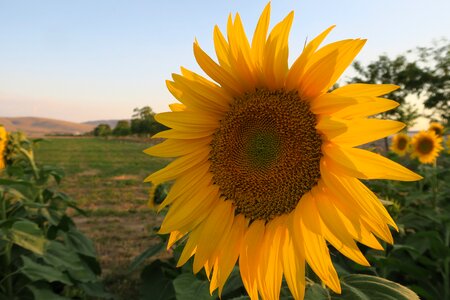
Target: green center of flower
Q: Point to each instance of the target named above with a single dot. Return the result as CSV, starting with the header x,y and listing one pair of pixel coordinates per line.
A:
x,y
262,148
266,153
425,146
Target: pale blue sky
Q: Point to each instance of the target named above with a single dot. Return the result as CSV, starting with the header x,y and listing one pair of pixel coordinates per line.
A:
x,y
89,60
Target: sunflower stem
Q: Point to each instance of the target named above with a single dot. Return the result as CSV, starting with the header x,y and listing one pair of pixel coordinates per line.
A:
x,y
434,184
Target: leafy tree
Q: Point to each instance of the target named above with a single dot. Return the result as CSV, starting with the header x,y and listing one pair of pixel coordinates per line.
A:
x,y
436,63
143,122
102,130
122,128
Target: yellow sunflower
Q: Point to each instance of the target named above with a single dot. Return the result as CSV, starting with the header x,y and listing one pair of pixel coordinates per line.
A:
x,y
3,141
266,170
400,143
437,128
426,146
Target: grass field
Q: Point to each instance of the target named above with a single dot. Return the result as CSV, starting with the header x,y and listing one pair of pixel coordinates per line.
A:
x,y
105,177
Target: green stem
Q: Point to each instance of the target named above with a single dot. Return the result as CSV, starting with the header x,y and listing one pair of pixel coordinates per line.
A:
x,y
434,185
447,265
30,158
9,287
7,255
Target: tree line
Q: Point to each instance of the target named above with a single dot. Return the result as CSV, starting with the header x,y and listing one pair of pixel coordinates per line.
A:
x,y
142,123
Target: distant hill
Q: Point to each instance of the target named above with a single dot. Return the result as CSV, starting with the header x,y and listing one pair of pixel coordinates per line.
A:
x,y
34,126
111,123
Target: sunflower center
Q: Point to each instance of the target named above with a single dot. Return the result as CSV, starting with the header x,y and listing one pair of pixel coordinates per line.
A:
x,y
437,130
425,146
266,153
402,142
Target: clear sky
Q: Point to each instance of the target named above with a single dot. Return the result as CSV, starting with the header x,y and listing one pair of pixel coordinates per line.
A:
x,y
89,60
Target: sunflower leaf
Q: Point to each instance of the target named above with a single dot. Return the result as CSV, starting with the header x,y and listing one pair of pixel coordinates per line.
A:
x,y
367,287
188,287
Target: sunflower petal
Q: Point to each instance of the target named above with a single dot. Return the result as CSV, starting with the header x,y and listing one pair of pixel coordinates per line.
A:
x,y
364,89
276,53
177,107
179,166
270,270
222,48
230,253
370,106
297,69
329,103
335,230
327,65
349,191
216,72
249,257
364,164
260,35
177,134
191,212
293,267
315,247
356,132
187,183
215,226
352,217
174,148
187,121
174,237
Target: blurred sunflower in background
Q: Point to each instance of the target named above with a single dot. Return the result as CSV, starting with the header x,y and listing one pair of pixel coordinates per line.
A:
x,y
400,144
426,146
267,171
3,142
437,128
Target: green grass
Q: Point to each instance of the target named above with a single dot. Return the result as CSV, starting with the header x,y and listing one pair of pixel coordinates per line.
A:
x,y
105,177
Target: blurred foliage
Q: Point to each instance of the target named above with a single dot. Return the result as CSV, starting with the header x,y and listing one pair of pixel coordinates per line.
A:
x,y
42,254
102,130
435,61
122,128
143,122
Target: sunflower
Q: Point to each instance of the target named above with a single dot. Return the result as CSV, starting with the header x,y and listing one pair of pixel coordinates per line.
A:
x,y
437,128
3,141
266,170
400,143
426,146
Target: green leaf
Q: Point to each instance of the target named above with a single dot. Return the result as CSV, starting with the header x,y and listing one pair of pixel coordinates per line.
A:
x,y
315,291
79,242
44,294
233,284
155,284
27,235
36,271
96,290
151,251
26,189
188,287
65,259
367,287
